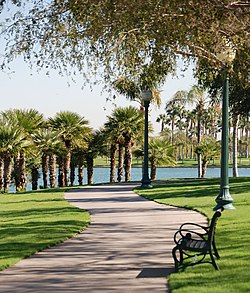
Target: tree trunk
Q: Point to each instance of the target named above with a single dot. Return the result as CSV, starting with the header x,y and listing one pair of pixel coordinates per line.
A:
x,y
235,145
34,178
7,173
17,174
22,165
67,167
172,130
204,168
60,171
1,173
153,170
72,173
45,167
247,142
90,169
52,170
113,149
198,141
128,159
120,162
80,170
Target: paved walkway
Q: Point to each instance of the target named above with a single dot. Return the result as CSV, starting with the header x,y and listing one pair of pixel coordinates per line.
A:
x,y
127,247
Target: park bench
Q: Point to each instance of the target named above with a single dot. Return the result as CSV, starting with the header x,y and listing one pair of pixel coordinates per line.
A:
x,y
194,242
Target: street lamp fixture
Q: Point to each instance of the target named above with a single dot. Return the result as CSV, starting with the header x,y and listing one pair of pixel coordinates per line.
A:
x,y
224,199
146,97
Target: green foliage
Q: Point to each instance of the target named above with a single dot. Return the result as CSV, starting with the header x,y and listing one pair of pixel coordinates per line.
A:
x,y
232,234
117,39
31,222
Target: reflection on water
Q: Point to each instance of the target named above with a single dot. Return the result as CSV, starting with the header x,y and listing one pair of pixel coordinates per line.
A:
x,y
101,175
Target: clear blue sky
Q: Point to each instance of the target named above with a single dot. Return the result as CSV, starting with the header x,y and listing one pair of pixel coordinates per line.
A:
x,y
50,94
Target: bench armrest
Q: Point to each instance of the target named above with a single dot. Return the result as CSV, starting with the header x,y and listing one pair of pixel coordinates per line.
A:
x,y
182,234
194,225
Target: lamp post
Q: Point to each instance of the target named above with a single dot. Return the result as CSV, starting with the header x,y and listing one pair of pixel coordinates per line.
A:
x,y
224,199
146,97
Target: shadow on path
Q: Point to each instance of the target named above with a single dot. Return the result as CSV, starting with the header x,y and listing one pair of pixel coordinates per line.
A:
x,y
126,248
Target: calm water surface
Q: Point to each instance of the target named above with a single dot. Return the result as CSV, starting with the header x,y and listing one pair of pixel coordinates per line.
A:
x,y
101,175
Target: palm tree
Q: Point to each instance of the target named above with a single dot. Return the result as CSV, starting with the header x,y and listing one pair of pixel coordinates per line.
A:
x,y
132,90
47,141
197,96
161,152
96,146
71,125
174,108
12,140
34,163
114,138
27,121
129,123
163,119
208,149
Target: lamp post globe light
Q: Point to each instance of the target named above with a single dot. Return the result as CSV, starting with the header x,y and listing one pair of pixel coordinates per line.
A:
x,y
224,199
146,97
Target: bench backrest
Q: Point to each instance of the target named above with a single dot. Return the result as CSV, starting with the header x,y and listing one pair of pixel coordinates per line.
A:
x,y
212,226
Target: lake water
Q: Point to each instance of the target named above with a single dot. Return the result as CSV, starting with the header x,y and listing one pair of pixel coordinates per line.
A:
x,y
101,175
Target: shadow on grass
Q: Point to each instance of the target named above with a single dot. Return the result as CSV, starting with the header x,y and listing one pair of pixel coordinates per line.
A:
x,y
194,188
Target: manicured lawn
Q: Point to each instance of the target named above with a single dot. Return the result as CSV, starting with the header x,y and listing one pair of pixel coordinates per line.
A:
x,y
244,162
30,222
232,235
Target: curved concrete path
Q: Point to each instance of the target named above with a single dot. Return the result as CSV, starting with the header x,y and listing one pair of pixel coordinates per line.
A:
x,y
127,247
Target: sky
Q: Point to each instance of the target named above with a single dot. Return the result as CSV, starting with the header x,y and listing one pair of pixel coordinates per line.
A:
x,y
24,88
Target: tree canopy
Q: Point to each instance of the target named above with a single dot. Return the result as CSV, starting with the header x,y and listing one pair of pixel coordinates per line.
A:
x,y
117,37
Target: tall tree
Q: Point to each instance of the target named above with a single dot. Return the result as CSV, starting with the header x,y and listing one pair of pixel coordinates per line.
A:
x,y
208,149
71,125
124,39
129,123
161,152
47,142
12,140
27,121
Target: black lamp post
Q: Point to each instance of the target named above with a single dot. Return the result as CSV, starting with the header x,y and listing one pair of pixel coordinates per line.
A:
x,y
146,97
224,199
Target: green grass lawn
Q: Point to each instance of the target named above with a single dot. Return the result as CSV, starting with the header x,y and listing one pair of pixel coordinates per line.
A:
x,y
232,234
31,222
244,162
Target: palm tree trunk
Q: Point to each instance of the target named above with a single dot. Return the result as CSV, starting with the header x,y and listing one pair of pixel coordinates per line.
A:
x,y
204,168
22,165
90,169
17,174
128,159
1,173
113,149
235,145
60,171
172,130
72,173
45,167
67,167
52,170
198,141
120,162
153,170
7,173
34,178
80,170
247,142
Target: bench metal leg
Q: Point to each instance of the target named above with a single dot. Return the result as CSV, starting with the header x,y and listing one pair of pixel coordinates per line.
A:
x,y
177,261
213,260
215,251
